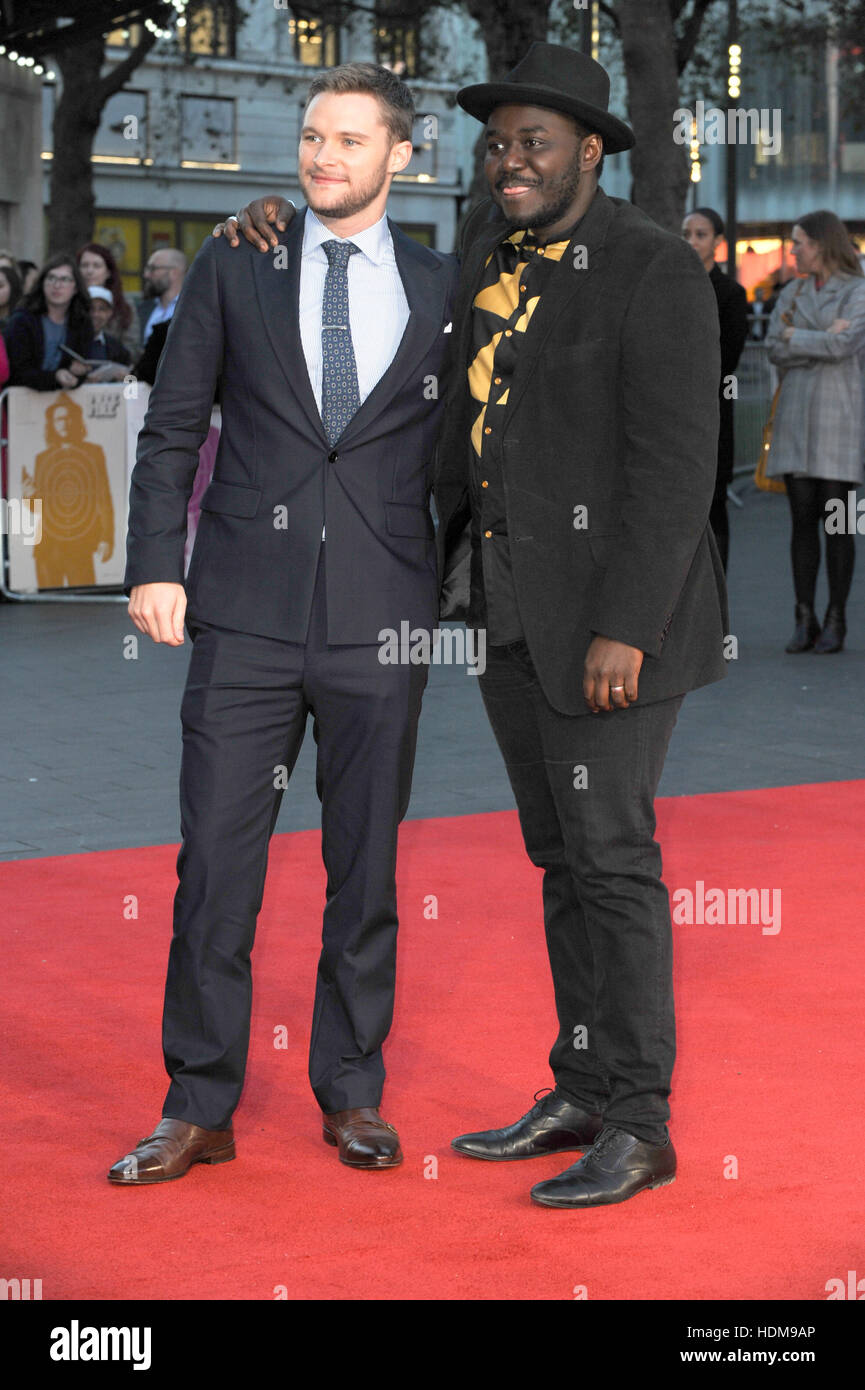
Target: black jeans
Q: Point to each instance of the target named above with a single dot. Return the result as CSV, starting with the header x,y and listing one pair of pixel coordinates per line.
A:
x,y
585,787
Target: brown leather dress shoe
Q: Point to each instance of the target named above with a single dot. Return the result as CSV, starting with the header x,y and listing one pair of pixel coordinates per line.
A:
x,y
170,1151
363,1138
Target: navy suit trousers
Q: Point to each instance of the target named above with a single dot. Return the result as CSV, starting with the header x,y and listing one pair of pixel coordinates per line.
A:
x,y
244,713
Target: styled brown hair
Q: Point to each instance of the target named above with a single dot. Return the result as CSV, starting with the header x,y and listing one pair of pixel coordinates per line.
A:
x,y
836,248
78,313
122,312
393,95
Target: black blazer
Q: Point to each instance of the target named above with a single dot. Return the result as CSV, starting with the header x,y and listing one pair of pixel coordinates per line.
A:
x,y
145,367
25,344
276,480
732,304
613,407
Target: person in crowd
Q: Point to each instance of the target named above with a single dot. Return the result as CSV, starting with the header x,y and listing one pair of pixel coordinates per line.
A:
x,y
163,276
816,339
56,313
761,310
105,346
10,291
703,229
98,267
8,257
29,272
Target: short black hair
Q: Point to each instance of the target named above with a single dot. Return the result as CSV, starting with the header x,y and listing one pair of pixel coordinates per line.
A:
x,y
710,215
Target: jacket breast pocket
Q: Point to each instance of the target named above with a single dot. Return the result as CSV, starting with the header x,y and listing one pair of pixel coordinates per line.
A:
x,y
403,519
231,499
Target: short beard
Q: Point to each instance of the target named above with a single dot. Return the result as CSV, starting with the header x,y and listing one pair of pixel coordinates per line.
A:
x,y
353,203
562,194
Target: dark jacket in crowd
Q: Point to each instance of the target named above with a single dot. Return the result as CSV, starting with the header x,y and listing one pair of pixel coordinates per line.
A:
x,y
25,345
110,350
733,317
145,367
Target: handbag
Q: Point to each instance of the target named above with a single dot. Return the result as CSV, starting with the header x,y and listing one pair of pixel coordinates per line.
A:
x,y
764,483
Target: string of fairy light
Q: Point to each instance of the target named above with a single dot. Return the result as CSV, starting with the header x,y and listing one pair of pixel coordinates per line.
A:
x,y
23,60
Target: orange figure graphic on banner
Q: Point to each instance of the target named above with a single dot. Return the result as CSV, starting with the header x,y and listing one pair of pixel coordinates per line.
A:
x,y
71,479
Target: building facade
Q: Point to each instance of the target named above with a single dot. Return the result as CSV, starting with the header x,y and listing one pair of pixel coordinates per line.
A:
x,y
212,120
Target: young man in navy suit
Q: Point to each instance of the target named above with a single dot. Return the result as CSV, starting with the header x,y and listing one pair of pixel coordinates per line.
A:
x,y
315,535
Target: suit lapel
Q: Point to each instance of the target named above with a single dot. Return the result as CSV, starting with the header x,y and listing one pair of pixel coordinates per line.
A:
x,y
278,289
423,281
277,284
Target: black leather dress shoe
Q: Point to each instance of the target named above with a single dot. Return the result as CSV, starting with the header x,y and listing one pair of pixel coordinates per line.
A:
x,y
614,1169
553,1125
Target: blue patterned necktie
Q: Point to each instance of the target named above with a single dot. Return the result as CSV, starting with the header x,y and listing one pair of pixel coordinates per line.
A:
x,y
340,397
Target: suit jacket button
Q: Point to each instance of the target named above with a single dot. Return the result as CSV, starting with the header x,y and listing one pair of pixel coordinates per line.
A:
x,y
332,456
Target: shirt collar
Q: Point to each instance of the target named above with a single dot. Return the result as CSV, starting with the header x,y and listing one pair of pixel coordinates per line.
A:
x,y
375,242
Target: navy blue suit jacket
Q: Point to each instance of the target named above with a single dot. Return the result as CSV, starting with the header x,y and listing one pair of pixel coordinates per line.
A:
x,y
277,481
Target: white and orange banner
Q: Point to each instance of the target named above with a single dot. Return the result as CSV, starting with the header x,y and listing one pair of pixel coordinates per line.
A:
x,y
67,471
70,460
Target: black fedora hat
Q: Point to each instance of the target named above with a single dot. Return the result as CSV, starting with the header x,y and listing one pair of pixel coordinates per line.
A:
x,y
557,77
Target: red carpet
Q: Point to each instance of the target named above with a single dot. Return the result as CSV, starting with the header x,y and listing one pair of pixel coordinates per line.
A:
x,y
769,1072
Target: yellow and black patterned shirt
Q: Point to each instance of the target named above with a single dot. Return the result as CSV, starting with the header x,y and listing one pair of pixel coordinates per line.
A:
x,y
513,281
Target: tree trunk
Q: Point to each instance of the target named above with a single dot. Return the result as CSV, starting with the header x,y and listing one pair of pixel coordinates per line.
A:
x,y
658,165
76,121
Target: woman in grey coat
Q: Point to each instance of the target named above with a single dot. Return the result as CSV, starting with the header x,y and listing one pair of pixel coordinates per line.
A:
x,y
816,338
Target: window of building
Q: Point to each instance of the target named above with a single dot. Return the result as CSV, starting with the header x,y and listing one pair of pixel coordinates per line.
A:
x,y
210,29
316,44
207,135
122,133
129,37
397,41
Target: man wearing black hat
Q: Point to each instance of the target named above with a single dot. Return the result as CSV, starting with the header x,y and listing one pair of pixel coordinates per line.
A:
x,y
575,475
589,349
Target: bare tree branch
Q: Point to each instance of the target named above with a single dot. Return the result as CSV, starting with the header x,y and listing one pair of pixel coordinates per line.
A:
x,y
114,80
688,42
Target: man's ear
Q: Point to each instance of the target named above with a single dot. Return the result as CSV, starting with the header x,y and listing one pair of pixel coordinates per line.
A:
x,y
400,154
593,149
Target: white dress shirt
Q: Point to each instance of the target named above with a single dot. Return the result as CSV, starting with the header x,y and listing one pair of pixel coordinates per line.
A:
x,y
377,307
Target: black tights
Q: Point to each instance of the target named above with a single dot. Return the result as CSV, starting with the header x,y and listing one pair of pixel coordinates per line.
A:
x,y
808,498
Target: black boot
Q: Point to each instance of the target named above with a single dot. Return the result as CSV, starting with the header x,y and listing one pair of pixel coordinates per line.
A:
x,y
807,629
831,639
